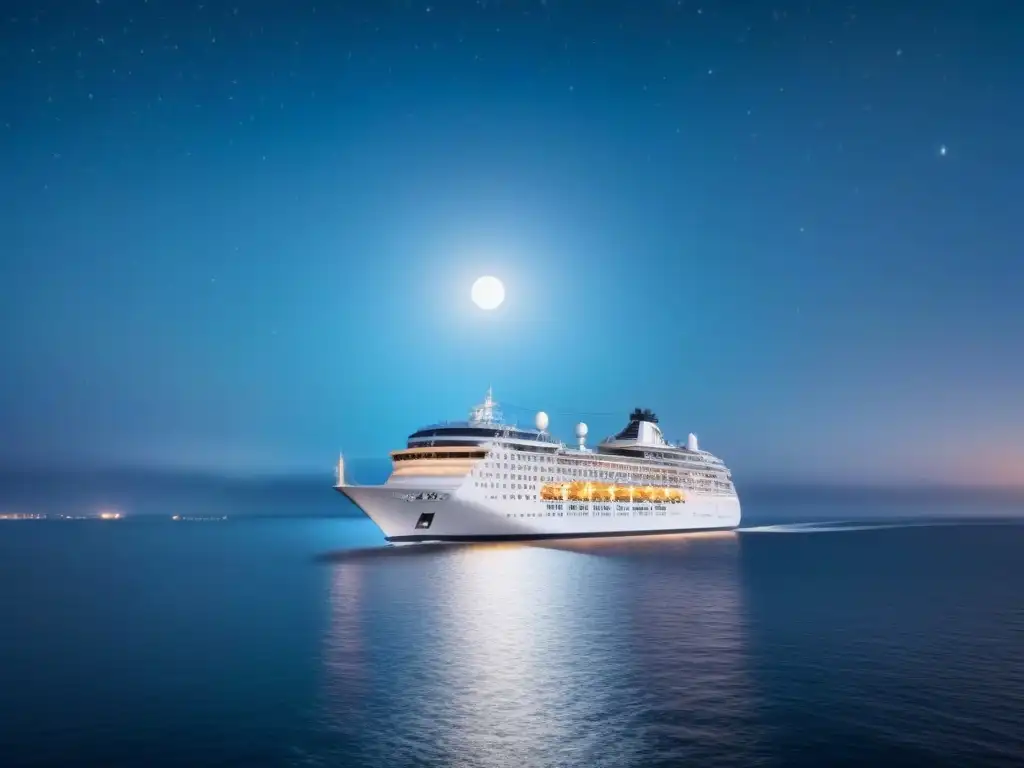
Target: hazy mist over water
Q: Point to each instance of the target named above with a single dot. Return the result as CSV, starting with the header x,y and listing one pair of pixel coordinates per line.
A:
x,y
167,493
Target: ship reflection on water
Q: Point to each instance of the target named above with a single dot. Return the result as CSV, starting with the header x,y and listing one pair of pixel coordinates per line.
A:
x,y
583,652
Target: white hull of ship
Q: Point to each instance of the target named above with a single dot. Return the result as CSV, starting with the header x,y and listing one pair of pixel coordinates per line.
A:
x,y
456,516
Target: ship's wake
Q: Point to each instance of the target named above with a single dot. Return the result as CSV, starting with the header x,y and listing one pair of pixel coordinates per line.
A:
x,y
843,526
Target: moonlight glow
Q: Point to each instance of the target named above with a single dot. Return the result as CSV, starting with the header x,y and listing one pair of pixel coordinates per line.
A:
x,y
488,293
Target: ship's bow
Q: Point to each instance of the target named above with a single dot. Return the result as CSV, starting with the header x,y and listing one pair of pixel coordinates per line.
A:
x,y
399,512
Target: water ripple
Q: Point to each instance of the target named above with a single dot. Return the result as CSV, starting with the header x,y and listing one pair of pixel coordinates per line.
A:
x,y
685,650
243,646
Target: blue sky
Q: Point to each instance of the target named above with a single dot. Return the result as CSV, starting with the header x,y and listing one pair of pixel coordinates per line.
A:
x,y
242,237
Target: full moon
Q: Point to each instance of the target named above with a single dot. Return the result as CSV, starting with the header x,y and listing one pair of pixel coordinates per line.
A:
x,y
488,293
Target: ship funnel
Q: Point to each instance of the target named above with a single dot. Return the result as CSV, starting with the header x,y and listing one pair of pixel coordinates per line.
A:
x,y
691,443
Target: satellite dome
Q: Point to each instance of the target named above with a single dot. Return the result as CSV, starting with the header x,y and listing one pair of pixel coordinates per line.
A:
x,y
541,421
581,430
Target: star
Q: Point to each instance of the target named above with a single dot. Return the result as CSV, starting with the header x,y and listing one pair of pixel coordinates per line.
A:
x,y
942,151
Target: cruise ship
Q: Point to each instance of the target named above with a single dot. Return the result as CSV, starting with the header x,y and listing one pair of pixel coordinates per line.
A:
x,y
485,480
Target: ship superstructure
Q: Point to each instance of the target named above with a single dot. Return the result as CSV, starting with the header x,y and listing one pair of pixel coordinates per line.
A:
x,y
484,479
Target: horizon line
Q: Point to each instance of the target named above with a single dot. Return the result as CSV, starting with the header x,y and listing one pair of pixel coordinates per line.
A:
x,y
215,474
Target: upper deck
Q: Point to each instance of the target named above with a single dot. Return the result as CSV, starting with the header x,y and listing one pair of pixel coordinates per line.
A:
x,y
641,441
463,432
484,425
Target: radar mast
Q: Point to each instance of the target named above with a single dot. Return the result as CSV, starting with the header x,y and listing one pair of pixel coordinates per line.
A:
x,y
486,412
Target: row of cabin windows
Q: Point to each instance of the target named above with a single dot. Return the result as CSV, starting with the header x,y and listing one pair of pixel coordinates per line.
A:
x,y
726,487
572,471
578,464
535,453
553,511
440,455
702,478
533,457
601,476
518,486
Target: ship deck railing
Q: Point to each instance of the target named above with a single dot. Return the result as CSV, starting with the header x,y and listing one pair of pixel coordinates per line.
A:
x,y
543,437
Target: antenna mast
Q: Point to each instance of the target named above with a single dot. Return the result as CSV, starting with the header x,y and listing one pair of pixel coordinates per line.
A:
x,y
487,412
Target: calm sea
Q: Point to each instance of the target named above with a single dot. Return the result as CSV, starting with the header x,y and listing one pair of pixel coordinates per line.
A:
x,y
818,637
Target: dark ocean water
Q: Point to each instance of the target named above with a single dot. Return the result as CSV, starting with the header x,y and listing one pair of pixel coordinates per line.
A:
x,y
300,641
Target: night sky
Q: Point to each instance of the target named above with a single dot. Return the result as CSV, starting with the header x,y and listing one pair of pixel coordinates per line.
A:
x,y
240,236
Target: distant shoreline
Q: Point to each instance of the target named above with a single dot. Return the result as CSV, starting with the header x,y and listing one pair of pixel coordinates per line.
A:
x,y
379,470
